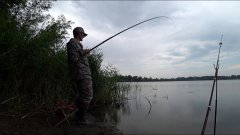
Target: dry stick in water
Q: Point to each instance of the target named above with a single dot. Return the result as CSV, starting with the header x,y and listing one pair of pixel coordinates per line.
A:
x,y
150,106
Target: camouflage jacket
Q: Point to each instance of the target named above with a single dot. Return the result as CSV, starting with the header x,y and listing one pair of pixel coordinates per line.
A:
x,y
78,63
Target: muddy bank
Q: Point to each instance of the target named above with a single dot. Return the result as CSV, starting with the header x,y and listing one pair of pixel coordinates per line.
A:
x,y
38,124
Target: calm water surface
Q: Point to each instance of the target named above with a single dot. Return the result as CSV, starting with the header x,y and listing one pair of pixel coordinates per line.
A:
x,y
180,108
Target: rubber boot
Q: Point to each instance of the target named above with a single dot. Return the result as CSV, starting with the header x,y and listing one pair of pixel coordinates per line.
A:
x,y
81,114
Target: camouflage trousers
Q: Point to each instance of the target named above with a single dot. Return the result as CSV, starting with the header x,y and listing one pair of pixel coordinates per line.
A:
x,y
85,91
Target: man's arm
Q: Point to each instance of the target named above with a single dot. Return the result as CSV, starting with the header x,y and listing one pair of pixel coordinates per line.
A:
x,y
73,55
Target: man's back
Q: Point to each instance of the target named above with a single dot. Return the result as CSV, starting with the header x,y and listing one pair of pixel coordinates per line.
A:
x,y
78,63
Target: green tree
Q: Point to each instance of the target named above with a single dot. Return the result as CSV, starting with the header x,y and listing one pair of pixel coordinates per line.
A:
x,y
33,58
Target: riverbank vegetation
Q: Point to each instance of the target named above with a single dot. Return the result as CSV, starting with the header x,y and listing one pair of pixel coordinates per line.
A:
x,y
34,70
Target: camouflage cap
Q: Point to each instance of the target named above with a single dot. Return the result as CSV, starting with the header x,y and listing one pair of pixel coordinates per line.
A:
x,y
79,29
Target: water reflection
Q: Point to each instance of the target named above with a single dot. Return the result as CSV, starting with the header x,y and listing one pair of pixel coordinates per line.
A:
x,y
175,108
180,107
136,98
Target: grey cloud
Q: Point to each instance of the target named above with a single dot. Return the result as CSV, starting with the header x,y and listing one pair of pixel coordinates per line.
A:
x,y
198,52
200,22
114,13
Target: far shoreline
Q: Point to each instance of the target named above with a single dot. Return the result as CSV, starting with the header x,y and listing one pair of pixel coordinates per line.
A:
x,y
181,80
130,78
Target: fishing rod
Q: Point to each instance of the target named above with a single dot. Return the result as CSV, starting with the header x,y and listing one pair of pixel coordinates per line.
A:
x,y
126,30
210,101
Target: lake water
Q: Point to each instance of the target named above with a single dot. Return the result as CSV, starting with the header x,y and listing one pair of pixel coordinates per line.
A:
x,y
179,107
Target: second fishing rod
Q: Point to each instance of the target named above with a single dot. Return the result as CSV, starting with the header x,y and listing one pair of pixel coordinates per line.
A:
x,y
216,67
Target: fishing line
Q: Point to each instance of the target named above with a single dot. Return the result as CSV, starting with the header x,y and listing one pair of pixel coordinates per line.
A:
x,y
158,17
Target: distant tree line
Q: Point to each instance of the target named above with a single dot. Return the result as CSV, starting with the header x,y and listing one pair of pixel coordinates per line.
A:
x,y
129,78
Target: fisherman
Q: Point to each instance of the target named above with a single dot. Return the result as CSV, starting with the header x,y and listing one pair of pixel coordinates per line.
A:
x,y
81,74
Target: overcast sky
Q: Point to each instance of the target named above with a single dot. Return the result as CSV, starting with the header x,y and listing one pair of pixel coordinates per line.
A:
x,y
185,45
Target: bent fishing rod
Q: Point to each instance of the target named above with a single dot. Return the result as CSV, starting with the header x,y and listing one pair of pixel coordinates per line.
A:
x,y
210,101
126,30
